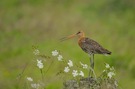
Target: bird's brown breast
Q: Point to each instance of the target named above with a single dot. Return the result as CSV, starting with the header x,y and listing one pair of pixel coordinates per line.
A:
x,y
81,41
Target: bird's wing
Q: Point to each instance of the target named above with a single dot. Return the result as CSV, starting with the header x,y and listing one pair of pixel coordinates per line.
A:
x,y
93,43
86,45
94,47
90,46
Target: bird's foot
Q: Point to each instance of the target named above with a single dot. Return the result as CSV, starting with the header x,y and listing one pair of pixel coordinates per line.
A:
x,y
92,73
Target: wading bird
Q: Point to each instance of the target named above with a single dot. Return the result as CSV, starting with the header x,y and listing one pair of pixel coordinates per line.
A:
x,y
89,46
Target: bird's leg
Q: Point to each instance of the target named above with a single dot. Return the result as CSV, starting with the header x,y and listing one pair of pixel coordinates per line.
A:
x,y
91,71
92,61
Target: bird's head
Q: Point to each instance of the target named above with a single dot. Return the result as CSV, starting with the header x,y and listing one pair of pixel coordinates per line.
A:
x,y
79,34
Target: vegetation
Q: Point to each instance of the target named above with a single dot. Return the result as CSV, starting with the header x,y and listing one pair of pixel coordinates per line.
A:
x,y
24,23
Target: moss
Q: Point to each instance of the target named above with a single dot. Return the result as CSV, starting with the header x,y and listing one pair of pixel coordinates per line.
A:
x,y
91,83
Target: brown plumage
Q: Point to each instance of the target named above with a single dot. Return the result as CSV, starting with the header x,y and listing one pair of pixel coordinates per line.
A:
x,y
89,46
92,47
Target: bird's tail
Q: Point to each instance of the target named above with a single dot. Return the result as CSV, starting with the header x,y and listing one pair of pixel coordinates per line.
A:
x,y
106,53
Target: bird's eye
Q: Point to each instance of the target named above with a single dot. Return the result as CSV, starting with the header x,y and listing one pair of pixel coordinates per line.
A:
x,y
78,32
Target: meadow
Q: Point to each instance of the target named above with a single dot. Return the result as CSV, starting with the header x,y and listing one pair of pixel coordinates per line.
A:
x,y
24,23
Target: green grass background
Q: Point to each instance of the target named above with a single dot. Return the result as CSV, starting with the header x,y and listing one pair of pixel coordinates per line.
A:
x,y
24,23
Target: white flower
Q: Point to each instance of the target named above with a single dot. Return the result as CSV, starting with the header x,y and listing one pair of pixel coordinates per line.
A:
x,y
104,70
116,84
85,66
66,69
81,74
34,85
107,65
40,64
55,53
70,63
36,52
75,73
29,79
60,57
110,74
112,69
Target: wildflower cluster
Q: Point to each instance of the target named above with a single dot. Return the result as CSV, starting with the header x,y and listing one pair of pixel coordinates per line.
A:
x,y
109,71
70,65
77,71
36,52
56,53
32,84
40,64
85,66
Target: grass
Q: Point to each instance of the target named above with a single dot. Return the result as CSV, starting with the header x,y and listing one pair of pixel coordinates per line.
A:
x,y
43,23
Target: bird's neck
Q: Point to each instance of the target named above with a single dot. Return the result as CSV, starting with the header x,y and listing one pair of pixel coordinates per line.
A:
x,y
82,36
80,40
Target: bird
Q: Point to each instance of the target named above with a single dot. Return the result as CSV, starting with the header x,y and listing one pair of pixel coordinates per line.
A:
x,y
89,46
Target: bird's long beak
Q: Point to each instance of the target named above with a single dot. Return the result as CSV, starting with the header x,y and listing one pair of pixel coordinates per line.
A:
x,y
68,37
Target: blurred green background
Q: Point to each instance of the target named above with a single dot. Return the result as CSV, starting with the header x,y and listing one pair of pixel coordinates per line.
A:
x,y
24,23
